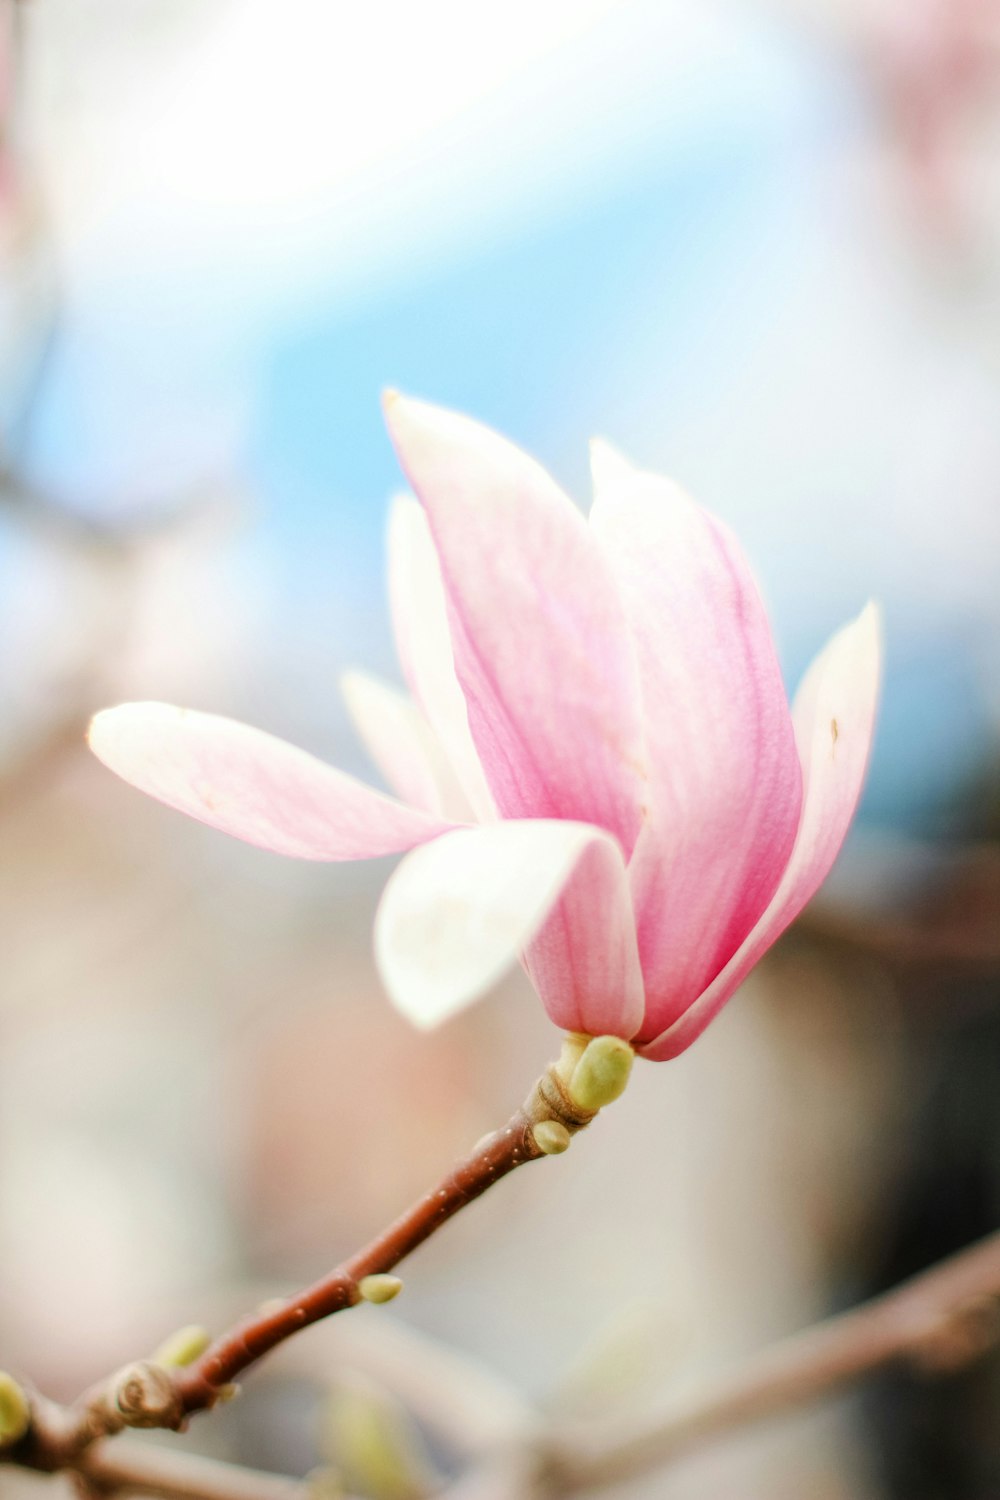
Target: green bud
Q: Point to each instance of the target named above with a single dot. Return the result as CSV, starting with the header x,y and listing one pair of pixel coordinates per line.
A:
x,y
325,1484
375,1444
551,1137
379,1288
182,1348
573,1047
15,1413
602,1072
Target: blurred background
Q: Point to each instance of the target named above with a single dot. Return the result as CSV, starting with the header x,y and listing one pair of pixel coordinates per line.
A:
x,y
755,244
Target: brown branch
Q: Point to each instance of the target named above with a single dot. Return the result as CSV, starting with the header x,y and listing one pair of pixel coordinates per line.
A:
x,y
149,1393
200,1385
938,1321
153,1393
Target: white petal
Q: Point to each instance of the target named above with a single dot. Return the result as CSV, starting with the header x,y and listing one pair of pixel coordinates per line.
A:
x,y
423,640
404,747
457,914
251,785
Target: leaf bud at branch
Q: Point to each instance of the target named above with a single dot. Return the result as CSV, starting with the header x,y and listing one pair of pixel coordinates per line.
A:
x,y
551,1137
379,1288
15,1413
182,1348
375,1444
602,1072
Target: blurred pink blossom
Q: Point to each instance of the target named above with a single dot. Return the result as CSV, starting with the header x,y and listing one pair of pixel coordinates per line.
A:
x,y
597,767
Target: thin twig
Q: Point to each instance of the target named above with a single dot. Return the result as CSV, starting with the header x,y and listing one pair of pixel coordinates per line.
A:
x,y
132,1468
200,1384
939,1321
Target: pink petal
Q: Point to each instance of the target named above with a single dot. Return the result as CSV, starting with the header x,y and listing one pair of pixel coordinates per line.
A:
x,y
724,778
834,722
457,913
252,785
584,963
423,640
537,627
404,747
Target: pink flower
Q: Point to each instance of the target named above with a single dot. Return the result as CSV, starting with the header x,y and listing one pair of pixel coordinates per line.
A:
x,y
597,771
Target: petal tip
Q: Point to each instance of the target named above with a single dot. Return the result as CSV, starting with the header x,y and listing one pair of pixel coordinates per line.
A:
x,y
872,619
105,729
97,727
608,465
867,630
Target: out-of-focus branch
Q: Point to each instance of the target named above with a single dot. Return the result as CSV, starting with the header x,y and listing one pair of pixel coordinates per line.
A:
x,y
132,1468
938,1322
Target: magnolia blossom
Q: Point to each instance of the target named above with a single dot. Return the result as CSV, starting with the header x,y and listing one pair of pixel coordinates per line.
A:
x,y
596,767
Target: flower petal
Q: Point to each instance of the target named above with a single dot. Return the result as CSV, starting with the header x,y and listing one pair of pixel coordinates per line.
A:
x,y
537,628
724,776
457,913
251,785
834,717
423,640
404,747
584,963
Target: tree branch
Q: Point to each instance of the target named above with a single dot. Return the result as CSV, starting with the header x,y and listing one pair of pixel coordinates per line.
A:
x,y
133,1468
200,1385
938,1321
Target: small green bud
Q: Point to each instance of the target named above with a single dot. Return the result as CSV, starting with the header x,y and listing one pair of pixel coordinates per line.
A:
x,y
379,1288
325,1484
551,1137
375,1444
573,1047
182,1348
15,1413
602,1072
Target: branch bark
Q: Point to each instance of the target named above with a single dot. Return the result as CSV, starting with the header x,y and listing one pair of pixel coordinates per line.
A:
x,y
938,1321
202,1383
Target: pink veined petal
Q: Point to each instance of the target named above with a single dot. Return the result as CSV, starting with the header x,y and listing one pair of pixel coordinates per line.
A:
x,y
537,627
834,717
457,913
724,777
404,747
423,641
253,786
584,963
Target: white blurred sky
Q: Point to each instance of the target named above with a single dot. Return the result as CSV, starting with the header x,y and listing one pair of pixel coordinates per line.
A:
x,y
335,144
731,295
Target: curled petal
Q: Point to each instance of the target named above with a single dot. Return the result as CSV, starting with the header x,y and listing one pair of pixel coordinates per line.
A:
x,y
457,913
724,778
834,718
253,786
537,628
423,641
404,747
584,963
